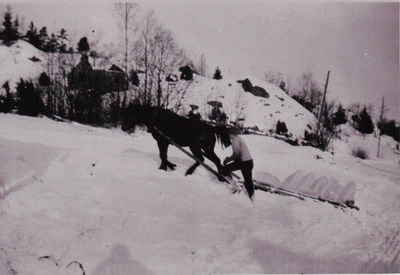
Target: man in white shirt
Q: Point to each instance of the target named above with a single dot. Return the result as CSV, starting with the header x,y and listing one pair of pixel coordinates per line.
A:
x,y
240,159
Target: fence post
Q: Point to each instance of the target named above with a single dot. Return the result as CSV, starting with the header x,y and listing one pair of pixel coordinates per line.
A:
x,y
323,104
380,121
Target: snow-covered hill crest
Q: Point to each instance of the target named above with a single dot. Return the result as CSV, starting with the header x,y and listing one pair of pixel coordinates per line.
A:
x,y
20,60
258,112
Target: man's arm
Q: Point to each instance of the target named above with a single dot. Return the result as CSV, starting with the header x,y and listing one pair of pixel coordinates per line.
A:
x,y
229,159
235,151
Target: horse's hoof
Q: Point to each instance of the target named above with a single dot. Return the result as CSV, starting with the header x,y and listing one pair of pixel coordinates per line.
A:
x,y
163,168
171,166
188,173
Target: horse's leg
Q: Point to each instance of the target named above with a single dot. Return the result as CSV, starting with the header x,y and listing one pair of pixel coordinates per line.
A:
x,y
197,153
213,157
163,148
169,164
210,154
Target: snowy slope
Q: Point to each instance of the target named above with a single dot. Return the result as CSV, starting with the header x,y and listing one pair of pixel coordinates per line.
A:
x,y
257,111
15,62
73,194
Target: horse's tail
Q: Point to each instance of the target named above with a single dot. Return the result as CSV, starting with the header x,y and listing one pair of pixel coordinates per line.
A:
x,y
222,134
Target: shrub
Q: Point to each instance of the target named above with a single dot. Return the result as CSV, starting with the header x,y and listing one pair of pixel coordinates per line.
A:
x,y
281,128
29,101
217,74
186,72
7,102
328,130
359,153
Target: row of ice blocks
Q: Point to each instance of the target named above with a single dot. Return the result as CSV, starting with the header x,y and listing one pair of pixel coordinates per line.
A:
x,y
322,187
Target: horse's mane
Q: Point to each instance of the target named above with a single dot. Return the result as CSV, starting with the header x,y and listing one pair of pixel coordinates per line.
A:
x,y
222,134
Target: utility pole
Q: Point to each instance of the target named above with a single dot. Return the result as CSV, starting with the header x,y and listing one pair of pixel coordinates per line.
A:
x,y
380,120
323,103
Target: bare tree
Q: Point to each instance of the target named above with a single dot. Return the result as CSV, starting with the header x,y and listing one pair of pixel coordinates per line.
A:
x,y
126,12
167,57
274,77
201,67
174,98
142,50
239,105
308,92
157,55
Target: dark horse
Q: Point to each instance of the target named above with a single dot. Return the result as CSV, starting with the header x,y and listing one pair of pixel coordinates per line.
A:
x,y
198,135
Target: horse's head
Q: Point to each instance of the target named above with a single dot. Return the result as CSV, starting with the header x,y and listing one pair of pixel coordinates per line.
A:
x,y
135,115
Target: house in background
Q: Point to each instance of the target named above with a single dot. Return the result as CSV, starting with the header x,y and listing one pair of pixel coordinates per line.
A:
x,y
83,76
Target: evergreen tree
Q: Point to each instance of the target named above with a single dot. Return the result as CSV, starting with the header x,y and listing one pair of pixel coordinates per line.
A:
x,y
217,74
388,127
7,103
83,45
48,92
32,36
63,34
52,44
44,80
364,122
8,31
62,38
339,117
43,38
16,27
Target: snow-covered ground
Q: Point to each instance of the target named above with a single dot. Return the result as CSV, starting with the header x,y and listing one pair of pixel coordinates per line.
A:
x,y
74,197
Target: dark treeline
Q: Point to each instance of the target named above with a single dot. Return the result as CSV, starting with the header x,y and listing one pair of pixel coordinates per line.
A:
x,y
10,33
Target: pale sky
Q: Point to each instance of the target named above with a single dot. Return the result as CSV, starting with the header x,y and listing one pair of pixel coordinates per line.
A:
x,y
358,42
